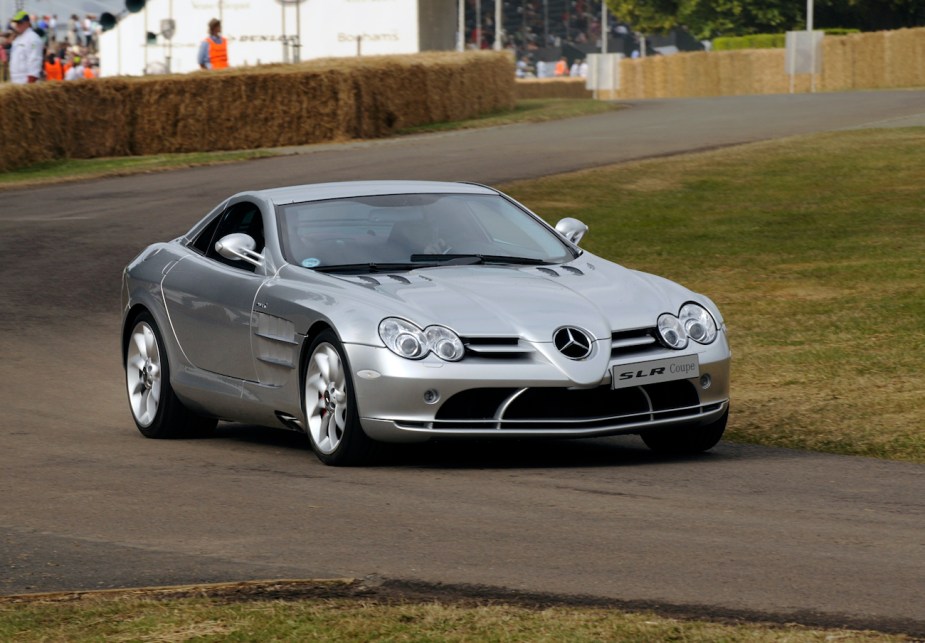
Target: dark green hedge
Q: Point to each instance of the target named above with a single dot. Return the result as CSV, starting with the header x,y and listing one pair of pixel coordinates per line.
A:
x,y
765,40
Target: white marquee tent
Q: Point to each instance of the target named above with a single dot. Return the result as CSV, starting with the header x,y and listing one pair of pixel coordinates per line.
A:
x,y
258,32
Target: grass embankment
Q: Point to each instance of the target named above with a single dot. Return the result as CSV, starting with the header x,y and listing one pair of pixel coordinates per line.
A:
x,y
348,620
813,249
526,111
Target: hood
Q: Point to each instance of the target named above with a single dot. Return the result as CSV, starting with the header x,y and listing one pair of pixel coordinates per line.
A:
x,y
525,301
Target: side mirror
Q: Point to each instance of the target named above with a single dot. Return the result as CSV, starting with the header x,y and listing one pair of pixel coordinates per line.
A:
x,y
571,229
239,246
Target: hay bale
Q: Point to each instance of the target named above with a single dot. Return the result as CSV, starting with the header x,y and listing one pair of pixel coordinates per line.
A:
x,y
274,105
552,88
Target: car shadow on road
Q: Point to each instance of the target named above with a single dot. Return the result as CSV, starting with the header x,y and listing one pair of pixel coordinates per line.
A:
x,y
509,453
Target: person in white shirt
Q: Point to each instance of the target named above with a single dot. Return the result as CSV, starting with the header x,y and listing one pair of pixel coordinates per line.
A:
x,y
76,72
26,53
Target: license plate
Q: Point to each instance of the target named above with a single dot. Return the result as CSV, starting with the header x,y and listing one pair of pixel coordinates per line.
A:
x,y
655,371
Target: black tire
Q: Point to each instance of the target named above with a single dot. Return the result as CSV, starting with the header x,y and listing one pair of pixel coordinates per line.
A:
x,y
157,411
690,439
332,420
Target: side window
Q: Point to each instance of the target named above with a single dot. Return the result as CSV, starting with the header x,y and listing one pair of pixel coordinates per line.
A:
x,y
241,217
204,240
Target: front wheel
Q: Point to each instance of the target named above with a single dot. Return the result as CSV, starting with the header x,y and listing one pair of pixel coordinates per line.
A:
x,y
687,439
332,419
157,411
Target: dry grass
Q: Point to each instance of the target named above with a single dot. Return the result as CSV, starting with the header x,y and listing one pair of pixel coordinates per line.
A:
x,y
350,620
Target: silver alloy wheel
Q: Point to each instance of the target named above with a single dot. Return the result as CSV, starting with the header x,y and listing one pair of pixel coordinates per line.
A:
x,y
143,374
326,398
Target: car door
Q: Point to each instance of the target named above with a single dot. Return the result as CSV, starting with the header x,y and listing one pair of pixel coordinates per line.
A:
x,y
210,298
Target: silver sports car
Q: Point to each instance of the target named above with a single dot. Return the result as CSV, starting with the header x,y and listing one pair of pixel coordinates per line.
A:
x,y
400,311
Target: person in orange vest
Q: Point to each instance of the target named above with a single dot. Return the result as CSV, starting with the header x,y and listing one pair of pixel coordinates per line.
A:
x,y
562,67
54,69
213,53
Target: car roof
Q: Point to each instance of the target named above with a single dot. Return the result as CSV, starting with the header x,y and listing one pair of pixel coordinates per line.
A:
x,y
346,189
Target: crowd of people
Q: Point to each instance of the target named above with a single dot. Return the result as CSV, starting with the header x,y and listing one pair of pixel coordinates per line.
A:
x,y
536,31
526,68
534,24
41,48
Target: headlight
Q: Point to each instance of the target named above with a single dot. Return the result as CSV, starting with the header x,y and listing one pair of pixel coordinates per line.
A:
x,y
698,323
403,338
444,343
407,340
672,331
693,322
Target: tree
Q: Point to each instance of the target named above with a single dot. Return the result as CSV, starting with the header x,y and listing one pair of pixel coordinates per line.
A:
x,y
711,18
870,15
648,16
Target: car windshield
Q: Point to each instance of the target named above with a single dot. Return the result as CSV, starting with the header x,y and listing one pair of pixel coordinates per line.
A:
x,y
411,230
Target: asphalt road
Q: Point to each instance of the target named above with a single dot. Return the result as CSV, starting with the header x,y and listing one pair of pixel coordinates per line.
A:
x,y
86,502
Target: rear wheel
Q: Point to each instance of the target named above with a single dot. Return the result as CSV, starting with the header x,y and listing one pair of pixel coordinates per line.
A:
x,y
687,439
157,411
332,419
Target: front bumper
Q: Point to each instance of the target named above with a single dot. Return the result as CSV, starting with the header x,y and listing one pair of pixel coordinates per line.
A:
x,y
530,395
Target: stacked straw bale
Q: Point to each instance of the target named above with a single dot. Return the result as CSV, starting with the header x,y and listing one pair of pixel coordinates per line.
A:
x,y
855,61
276,105
552,88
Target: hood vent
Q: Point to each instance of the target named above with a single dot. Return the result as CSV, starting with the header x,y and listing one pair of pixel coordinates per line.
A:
x,y
366,280
568,269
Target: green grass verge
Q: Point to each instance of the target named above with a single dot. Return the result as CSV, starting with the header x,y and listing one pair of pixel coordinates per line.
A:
x,y
812,247
526,111
75,169
345,620
532,110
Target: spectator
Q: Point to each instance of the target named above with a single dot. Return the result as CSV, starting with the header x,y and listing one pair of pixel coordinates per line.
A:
x,y
77,71
213,53
4,57
26,52
562,67
523,68
87,32
54,68
73,30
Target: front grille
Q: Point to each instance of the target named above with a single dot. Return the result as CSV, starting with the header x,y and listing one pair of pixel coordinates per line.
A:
x,y
565,409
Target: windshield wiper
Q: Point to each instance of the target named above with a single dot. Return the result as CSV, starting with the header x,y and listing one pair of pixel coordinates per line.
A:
x,y
468,259
372,267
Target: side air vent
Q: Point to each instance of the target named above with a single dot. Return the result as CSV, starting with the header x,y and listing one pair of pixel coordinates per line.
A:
x,y
572,269
400,279
495,347
548,271
629,341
